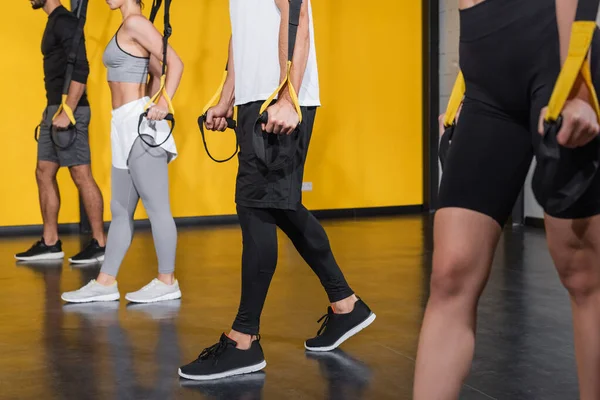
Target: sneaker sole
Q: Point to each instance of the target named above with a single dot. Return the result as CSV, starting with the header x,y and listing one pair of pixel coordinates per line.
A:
x,y
169,296
47,256
239,371
346,336
88,261
105,297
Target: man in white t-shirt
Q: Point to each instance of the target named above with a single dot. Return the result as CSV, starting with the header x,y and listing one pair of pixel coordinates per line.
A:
x,y
269,181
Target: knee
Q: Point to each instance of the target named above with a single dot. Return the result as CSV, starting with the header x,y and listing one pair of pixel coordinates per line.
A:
x,y
161,217
119,211
44,175
81,175
452,278
577,270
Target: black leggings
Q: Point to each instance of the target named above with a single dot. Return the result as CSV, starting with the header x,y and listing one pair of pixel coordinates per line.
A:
x,y
259,258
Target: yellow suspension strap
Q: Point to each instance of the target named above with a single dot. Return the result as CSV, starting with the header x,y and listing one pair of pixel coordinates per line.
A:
x,y
562,176
71,131
162,91
259,137
231,124
456,98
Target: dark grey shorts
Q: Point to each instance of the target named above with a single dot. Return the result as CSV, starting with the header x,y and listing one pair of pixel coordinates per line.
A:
x,y
78,153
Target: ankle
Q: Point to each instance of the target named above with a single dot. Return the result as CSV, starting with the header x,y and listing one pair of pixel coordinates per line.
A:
x,y
344,306
51,239
105,279
101,241
167,279
243,340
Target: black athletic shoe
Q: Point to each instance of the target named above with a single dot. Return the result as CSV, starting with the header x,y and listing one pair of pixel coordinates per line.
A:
x,y
91,254
224,359
40,251
337,328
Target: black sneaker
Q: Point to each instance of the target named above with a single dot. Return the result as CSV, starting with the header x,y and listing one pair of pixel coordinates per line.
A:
x,y
40,251
91,254
337,328
224,359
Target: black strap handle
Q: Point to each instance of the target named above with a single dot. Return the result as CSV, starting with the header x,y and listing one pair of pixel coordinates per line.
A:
x,y
559,181
71,131
231,124
283,158
168,118
445,143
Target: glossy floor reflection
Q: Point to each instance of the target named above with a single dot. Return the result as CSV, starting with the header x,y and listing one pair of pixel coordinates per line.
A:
x,y
120,351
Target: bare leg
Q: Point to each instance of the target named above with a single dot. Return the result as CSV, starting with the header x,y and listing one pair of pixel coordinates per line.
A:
x,y
92,200
464,245
575,249
49,194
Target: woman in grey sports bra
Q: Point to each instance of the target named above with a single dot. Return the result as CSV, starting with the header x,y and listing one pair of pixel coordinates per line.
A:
x,y
138,170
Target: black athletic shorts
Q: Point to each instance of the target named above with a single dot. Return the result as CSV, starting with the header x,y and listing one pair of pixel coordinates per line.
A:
x,y
258,187
510,58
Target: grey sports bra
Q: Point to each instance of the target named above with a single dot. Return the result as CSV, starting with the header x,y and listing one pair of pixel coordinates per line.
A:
x,y
122,66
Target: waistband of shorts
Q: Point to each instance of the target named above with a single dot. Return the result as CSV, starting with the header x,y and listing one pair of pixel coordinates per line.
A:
x,y
491,16
135,106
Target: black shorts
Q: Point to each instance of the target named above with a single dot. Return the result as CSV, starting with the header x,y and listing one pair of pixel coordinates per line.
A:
x,y
78,153
255,185
510,58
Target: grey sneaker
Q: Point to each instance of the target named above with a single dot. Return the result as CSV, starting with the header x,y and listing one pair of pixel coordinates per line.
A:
x,y
155,291
93,291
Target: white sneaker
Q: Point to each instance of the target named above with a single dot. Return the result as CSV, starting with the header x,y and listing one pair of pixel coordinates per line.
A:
x,y
155,291
93,291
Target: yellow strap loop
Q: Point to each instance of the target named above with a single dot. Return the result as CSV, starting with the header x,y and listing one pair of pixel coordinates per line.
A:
x,y
293,93
64,106
577,62
162,91
215,97
458,92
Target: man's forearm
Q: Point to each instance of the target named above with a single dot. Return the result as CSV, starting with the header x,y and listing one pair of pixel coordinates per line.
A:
x,y
76,90
301,50
228,93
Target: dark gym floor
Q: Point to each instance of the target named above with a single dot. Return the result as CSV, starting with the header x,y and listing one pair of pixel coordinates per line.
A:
x,y
114,351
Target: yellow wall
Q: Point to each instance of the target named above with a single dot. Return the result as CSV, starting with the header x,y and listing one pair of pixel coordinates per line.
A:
x,y
366,148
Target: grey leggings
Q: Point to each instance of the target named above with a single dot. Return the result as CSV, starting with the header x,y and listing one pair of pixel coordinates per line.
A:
x,y
148,179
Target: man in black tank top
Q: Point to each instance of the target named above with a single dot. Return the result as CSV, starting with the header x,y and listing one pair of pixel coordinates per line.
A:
x,y
56,46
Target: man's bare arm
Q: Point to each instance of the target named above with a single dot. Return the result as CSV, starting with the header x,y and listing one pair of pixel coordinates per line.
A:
x,y
301,51
216,116
228,93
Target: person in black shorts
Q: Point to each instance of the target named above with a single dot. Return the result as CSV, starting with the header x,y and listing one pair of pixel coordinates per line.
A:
x,y
510,58
56,45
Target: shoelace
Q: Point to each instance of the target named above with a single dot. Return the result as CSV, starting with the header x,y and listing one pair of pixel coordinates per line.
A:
x,y
325,317
213,351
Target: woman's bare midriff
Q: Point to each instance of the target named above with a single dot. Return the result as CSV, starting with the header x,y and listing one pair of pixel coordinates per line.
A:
x,y
464,4
124,92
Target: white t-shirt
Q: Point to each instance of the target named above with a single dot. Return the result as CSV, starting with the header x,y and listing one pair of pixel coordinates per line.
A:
x,y
255,38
